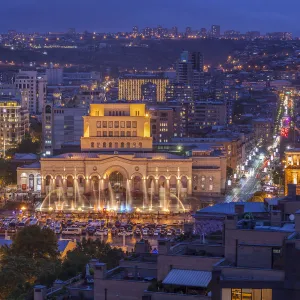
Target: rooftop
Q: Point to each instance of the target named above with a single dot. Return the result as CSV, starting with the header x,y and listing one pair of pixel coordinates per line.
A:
x,y
229,208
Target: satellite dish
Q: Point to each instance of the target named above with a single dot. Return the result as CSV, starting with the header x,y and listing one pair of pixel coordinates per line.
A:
x,y
292,217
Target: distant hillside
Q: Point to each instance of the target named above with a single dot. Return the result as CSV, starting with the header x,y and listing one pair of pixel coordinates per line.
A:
x,y
160,53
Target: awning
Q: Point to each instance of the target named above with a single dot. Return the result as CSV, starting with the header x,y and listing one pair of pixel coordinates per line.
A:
x,y
188,278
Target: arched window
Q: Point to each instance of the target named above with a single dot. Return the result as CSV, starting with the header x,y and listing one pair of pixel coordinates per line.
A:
x,y
31,182
116,145
140,145
98,145
104,145
128,145
92,144
109,113
122,145
110,145
134,145
113,113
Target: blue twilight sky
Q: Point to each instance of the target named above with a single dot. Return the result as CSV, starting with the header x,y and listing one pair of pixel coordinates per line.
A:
x,y
115,15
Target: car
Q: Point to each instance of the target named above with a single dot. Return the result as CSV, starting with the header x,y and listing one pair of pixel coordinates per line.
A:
x,y
71,231
100,232
129,232
169,232
91,230
156,232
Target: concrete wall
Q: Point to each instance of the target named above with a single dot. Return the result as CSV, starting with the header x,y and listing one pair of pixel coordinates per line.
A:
x,y
166,262
236,237
120,289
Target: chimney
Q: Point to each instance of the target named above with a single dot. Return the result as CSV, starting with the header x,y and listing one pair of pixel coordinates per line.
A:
x,y
276,218
40,292
231,222
100,271
297,221
164,246
239,209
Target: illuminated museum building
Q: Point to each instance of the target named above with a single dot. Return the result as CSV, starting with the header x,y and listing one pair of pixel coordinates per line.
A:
x,y
117,150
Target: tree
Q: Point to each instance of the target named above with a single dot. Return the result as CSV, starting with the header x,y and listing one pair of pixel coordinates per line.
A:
x,y
258,197
36,243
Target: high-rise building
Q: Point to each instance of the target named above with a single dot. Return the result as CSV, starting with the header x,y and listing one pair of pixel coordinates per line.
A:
x,y
119,127
189,71
14,123
149,92
130,86
62,126
135,30
33,89
54,76
179,92
203,32
215,30
188,31
174,31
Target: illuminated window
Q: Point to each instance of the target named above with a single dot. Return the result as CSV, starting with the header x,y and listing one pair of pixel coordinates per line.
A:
x,y
98,124
134,124
104,124
116,124
110,124
122,145
122,124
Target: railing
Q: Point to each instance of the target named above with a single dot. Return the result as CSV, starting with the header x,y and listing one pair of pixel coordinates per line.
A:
x,y
53,290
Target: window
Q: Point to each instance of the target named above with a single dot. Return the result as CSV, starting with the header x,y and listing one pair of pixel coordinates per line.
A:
x,y
140,145
128,124
122,124
110,124
104,133
116,133
98,124
128,145
122,145
122,133
110,145
116,145
109,113
134,145
211,187
104,124
133,133
104,145
116,124
92,145
98,145
110,133
128,133
134,124
98,133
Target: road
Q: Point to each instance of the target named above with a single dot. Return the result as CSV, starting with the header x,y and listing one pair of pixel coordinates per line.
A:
x,y
245,188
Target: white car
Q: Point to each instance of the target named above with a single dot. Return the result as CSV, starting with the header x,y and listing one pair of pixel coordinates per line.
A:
x,y
100,232
169,232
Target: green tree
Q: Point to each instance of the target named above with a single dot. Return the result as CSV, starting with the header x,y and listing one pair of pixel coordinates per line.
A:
x,y
36,243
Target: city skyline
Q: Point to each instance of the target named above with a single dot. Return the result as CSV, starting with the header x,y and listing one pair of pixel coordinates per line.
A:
x,y
93,16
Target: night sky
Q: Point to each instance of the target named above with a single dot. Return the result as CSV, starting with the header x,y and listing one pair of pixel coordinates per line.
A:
x,y
117,15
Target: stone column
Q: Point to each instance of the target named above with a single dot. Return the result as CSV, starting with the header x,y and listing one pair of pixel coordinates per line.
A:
x,y
189,186
86,184
43,183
